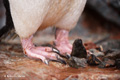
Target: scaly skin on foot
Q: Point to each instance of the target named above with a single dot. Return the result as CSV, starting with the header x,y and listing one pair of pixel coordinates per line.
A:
x,y
62,42
46,54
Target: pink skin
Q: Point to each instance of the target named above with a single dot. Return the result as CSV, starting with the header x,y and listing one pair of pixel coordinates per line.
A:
x,y
62,42
47,53
43,53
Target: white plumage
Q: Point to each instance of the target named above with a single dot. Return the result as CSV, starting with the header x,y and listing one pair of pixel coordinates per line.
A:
x,y
31,15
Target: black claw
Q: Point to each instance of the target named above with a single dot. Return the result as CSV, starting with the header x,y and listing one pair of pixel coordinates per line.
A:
x,y
55,50
58,52
60,60
46,62
65,56
68,56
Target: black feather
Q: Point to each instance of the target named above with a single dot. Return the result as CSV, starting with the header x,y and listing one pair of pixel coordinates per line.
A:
x,y
9,22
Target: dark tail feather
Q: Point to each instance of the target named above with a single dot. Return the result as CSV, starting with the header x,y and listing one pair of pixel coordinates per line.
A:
x,y
6,30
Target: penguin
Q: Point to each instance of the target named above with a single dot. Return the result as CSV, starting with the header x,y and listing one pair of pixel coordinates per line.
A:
x,y
29,16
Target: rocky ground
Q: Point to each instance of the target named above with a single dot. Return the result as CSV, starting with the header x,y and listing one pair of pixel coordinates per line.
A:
x,y
14,65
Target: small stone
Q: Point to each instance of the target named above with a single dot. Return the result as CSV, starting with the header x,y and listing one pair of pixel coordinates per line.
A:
x,y
107,63
112,54
78,49
93,60
77,62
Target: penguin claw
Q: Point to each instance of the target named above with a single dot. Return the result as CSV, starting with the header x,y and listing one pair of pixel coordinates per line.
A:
x,y
59,59
55,50
46,62
68,56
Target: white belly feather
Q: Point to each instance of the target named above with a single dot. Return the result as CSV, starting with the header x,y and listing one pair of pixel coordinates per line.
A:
x,y
31,15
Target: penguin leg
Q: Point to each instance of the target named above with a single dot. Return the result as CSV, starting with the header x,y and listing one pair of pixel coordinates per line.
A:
x,y
62,42
46,54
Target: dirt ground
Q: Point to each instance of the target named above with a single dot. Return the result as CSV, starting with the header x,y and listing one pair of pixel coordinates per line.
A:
x,y
14,65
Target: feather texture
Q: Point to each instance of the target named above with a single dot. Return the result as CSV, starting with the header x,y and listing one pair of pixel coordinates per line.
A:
x,y
30,16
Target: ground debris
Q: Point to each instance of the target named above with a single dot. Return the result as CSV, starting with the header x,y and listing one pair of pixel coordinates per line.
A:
x,y
78,49
78,55
107,63
103,59
93,60
77,62
112,54
82,56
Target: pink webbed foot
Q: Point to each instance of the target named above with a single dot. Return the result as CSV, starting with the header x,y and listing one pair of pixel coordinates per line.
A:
x,y
46,54
62,42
